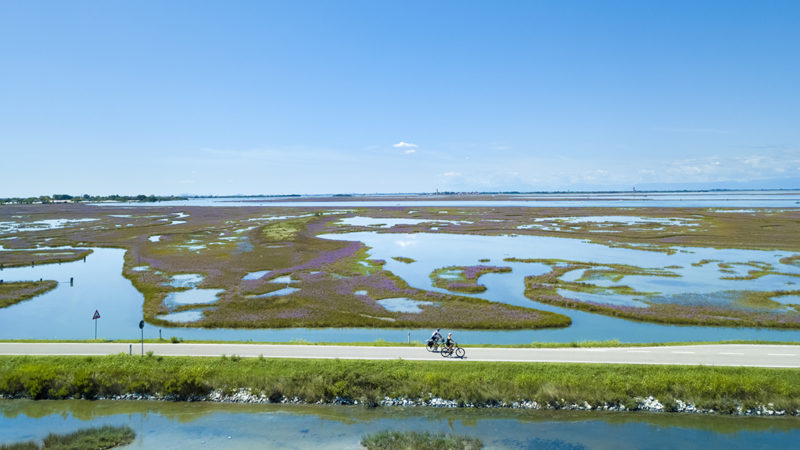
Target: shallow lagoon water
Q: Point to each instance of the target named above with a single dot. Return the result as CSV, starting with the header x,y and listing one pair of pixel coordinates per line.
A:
x,y
400,304
278,293
616,299
432,251
255,275
183,316
186,280
65,312
387,222
191,297
728,199
48,224
168,425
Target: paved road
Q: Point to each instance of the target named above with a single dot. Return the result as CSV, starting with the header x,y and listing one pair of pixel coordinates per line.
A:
x,y
711,355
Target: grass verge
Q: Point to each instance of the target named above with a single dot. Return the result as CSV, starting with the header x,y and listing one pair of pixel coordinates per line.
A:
x,y
720,388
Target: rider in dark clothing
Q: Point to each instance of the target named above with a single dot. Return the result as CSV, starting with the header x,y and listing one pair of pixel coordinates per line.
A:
x,y
449,342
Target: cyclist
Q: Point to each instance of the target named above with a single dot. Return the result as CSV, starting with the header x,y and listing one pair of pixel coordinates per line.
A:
x,y
436,336
449,342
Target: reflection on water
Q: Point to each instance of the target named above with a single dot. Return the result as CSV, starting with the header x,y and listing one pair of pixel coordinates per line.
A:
x,y
191,297
182,316
255,275
66,312
207,425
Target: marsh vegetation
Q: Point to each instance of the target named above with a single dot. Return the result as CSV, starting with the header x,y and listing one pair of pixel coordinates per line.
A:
x,y
98,438
240,257
403,440
15,292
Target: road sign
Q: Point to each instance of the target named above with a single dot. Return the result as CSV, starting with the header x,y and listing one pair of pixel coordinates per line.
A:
x,y
141,327
95,317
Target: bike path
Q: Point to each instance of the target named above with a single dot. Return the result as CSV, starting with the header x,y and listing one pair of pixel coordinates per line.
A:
x,y
741,355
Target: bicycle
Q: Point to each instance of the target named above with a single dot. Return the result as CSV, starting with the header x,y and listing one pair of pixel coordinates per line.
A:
x,y
433,345
454,349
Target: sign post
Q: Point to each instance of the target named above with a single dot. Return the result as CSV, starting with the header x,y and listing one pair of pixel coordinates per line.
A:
x,y
141,327
95,317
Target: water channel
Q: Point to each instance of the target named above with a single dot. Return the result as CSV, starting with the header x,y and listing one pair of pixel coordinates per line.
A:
x,y
167,425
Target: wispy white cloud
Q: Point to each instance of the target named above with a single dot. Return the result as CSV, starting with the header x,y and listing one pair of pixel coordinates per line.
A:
x,y
715,168
402,144
452,174
410,151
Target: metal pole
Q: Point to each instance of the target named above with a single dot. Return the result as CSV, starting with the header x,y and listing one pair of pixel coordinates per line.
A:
x,y
142,341
95,329
130,349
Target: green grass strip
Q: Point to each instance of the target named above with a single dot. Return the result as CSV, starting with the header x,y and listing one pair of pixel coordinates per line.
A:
x,y
718,388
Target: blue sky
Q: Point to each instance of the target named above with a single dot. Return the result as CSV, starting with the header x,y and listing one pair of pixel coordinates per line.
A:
x,y
264,97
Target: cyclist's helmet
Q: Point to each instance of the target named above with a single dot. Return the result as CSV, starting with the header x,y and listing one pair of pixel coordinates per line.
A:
x,y
449,334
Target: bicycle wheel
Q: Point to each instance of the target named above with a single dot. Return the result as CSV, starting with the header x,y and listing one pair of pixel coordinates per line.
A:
x,y
446,352
460,352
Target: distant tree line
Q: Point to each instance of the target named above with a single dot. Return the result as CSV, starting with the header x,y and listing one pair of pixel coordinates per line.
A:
x,y
63,198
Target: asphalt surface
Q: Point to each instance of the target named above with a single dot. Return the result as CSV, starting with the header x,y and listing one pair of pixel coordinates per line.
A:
x,y
742,355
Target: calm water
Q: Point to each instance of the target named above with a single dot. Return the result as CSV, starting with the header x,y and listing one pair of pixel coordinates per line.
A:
x,y
740,199
432,251
203,425
65,312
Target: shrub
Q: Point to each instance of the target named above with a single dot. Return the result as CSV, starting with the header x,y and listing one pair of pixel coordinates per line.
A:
x,y
187,384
